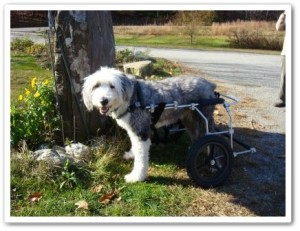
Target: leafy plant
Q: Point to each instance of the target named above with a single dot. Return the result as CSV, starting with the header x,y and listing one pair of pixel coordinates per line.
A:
x,y
125,56
165,68
36,49
71,176
34,117
21,44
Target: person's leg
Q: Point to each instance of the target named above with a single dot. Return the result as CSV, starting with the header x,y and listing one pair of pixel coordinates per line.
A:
x,y
282,85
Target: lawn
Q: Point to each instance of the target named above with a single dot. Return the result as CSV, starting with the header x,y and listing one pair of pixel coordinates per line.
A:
x,y
167,191
172,41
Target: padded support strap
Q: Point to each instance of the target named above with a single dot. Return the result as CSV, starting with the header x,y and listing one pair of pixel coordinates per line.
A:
x,y
207,102
157,112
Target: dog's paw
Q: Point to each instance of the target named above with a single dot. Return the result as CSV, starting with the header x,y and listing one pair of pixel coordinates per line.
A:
x,y
133,177
128,155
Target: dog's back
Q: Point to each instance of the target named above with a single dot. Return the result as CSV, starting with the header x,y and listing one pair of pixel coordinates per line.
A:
x,y
184,90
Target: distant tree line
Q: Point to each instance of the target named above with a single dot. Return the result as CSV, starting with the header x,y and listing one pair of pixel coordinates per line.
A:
x,y
142,17
247,15
28,18
39,18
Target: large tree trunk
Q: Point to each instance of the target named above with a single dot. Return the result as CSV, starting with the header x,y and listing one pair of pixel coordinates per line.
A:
x,y
88,43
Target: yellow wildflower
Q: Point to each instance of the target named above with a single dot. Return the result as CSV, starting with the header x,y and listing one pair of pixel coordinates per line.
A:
x,y
27,92
45,82
33,82
37,94
21,97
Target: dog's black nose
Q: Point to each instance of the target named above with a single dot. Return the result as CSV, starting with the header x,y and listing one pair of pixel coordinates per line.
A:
x,y
104,102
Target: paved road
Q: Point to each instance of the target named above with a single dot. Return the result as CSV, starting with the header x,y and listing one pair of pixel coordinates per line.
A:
x,y
235,67
36,34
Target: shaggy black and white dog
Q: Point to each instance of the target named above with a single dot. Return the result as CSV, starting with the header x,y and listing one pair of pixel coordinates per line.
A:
x,y
117,95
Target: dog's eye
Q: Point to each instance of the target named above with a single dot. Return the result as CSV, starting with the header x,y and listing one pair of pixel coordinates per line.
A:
x,y
96,86
112,86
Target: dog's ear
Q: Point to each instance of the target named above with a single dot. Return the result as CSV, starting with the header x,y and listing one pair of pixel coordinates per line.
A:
x,y
86,93
127,88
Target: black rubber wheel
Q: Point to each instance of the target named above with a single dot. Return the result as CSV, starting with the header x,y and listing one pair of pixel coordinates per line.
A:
x,y
209,161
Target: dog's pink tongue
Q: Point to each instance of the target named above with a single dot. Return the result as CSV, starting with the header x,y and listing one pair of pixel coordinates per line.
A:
x,y
103,110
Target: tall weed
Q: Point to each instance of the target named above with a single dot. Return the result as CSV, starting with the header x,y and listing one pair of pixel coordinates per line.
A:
x,y
254,40
250,34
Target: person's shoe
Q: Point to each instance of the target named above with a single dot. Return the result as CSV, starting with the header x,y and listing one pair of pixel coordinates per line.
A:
x,y
279,104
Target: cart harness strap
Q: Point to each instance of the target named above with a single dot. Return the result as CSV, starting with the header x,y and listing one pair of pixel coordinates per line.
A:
x,y
140,103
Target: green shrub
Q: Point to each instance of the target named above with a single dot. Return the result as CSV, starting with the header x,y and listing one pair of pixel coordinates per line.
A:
x,y
73,176
21,44
37,49
125,56
161,67
34,117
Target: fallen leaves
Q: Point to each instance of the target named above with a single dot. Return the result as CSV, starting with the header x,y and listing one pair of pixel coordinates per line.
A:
x,y
34,197
106,198
97,188
82,204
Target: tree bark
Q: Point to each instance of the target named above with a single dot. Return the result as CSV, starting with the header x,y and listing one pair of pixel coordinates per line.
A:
x,y
84,43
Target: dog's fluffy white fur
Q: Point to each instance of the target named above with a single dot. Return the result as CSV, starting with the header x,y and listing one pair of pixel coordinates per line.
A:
x,y
112,93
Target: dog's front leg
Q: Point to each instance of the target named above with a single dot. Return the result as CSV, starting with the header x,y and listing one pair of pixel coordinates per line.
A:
x,y
137,125
140,150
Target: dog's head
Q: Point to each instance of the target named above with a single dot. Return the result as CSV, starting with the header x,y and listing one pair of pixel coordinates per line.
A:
x,y
107,89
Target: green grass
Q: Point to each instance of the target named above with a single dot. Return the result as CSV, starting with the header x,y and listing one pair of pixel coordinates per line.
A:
x,y
163,194
171,41
23,68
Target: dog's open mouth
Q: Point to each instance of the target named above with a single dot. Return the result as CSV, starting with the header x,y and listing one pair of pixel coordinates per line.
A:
x,y
104,110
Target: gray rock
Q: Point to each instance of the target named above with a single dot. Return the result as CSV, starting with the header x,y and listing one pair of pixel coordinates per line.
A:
x,y
78,151
48,155
141,68
75,153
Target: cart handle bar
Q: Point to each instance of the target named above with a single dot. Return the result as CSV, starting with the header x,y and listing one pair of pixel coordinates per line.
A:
x,y
202,103
234,100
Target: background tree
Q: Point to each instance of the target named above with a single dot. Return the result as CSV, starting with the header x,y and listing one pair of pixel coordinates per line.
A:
x,y
84,42
191,21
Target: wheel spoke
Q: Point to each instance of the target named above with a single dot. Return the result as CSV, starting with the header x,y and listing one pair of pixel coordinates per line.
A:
x,y
210,161
212,151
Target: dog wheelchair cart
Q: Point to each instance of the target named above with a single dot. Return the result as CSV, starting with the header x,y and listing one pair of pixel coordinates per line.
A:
x,y
210,159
